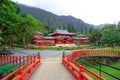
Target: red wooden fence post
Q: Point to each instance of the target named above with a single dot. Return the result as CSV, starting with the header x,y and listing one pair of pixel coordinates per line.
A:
x,y
34,59
27,57
118,53
10,59
4,58
81,71
38,55
16,59
23,60
31,59
20,60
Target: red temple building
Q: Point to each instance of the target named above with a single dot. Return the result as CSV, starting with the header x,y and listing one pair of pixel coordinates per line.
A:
x,y
59,38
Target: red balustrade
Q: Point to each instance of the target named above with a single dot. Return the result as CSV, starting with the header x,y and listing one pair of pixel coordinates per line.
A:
x,y
80,53
78,70
28,66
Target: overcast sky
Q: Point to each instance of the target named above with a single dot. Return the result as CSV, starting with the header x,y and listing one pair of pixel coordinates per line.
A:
x,y
91,11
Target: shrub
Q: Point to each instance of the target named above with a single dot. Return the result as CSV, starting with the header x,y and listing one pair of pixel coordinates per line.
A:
x,y
4,51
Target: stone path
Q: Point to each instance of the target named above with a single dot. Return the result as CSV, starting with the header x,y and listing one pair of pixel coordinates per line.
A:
x,y
51,69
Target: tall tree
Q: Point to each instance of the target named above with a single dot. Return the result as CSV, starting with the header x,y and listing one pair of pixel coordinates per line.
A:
x,y
28,26
95,36
71,28
8,13
81,29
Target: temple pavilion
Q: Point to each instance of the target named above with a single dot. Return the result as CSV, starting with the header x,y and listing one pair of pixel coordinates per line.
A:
x,y
59,38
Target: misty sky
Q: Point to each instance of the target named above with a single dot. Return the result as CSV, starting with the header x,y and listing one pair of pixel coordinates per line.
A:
x,y
91,11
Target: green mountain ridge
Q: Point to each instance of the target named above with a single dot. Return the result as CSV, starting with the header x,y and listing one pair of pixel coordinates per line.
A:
x,y
53,20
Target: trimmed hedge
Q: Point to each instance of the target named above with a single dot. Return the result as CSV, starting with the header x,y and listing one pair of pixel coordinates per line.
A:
x,y
62,47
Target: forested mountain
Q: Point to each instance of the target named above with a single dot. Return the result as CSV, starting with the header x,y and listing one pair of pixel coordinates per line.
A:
x,y
54,21
102,25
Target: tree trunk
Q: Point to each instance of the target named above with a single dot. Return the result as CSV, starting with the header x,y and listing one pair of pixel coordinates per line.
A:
x,y
113,45
13,46
97,42
29,42
24,40
27,46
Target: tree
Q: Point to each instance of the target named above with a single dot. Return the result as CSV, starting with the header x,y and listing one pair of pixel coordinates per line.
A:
x,y
0,37
81,29
71,28
95,36
28,26
118,26
8,13
90,29
16,27
110,35
86,30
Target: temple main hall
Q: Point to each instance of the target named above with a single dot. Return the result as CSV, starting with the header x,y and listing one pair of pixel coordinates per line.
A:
x,y
59,38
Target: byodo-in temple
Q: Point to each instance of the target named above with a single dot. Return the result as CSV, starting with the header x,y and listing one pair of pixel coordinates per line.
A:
x,y
59,38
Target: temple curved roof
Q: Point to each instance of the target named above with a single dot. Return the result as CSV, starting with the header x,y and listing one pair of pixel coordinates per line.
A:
x,y
65,32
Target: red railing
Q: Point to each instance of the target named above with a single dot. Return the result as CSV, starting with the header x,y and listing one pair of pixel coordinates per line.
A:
x,y
80,53
78,70
5,59
28,65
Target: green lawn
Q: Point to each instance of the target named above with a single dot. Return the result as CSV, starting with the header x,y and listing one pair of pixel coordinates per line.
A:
x,y
7,69
107,69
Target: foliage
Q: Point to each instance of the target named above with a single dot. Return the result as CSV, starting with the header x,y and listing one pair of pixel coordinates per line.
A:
x,y
6,69
8,11
118,26
110,35
16,27
95,60
28,26
70,27
4,51
95,35
0,37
